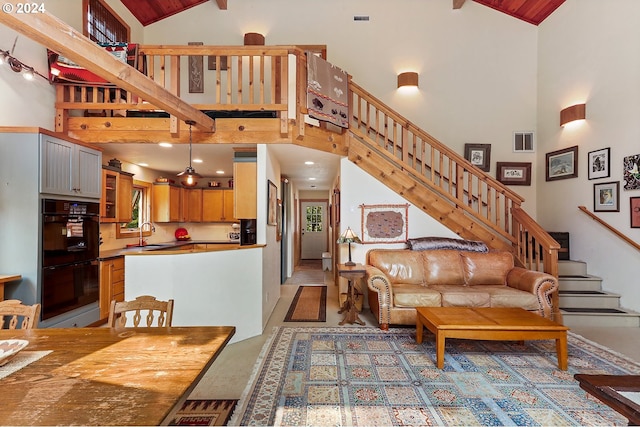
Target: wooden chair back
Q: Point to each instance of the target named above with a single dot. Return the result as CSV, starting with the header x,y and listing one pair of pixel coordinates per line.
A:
x,y
159,311
11,311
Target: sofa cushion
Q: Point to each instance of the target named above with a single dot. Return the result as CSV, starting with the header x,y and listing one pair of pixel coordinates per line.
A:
x,y
462,296
399,266
442,267
405,295
486,269
428,243
504,296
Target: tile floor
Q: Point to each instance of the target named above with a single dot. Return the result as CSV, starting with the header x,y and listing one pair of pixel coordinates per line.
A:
x,y
229,374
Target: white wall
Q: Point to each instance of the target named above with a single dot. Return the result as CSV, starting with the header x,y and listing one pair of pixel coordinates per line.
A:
x,y
588,52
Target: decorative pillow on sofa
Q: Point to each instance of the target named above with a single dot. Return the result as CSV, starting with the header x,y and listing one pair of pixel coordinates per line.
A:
x,y
427,243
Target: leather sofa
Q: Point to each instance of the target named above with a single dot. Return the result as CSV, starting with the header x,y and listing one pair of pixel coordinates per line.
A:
x,y
398,280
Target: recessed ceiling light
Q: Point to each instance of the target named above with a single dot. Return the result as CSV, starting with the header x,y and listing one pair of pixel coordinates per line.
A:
x,y
197,160
308,162
312,179
165,144
220,172
144,165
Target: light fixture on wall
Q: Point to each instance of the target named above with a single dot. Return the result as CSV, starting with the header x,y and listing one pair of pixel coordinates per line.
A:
x,y
18,66
189,175
349,237
254,39
573,113
409,78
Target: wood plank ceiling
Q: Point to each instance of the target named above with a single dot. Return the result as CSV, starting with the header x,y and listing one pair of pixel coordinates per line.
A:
x,y
531,11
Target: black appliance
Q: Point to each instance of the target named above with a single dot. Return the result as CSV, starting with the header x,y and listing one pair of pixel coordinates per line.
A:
x,y
247,232
70,250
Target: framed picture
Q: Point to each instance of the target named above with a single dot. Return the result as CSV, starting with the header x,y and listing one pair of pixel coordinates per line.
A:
x,y
635,212
606,197
478,155
514,173
562,164
336,205
598,163
272,203
384,223
279,221
631,165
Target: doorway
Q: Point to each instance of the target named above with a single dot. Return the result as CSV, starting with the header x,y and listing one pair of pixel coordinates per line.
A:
x,y
313,222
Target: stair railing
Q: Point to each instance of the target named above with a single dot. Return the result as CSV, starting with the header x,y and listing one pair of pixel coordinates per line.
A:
x,y
610,228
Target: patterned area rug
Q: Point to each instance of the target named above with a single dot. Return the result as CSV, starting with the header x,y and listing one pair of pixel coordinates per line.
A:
x,y
308,305
365,376
204,413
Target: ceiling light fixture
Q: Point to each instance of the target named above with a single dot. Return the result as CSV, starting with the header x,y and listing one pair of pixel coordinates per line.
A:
x,y
165,144
189,175
18,66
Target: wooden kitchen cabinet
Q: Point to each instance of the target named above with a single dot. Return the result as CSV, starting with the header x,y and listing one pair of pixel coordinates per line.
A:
x,y
117,189
167,203
111,283
192,205
218,205
245,188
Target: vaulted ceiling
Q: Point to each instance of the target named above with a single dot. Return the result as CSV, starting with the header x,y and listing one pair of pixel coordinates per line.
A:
x,y
531,11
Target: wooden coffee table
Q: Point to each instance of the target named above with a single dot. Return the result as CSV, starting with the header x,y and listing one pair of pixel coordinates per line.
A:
x,y
497,324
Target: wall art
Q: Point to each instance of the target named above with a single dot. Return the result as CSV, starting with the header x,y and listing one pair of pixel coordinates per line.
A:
x,y
562,164
631,176
598,163
384,223
272,203
514,173
606,197
635,212
478,155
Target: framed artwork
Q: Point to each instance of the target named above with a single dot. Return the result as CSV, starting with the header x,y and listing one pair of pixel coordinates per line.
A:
x,y
606,197
562,164
514,173
478,155
272,203
336,205
635,212
384,223
631,176
598,163
279,221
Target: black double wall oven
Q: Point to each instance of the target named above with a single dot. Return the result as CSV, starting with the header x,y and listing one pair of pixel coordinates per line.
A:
x,y
70,250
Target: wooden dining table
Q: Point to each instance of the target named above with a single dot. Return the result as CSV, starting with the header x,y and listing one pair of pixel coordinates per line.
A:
x,y
104,376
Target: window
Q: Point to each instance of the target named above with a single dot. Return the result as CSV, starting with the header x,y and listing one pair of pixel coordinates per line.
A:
x,y
314,218
102,25
141,208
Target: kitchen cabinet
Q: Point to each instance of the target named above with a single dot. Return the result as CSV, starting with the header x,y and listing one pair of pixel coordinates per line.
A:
x,y
192,205
69,169
218,205
117,190
245,187
111,283
167,203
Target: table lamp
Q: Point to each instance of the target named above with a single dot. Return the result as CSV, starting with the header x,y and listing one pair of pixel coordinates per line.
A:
x,y
348,236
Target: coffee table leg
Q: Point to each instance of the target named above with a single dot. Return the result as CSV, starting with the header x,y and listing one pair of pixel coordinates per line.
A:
x,y
419,328
562,352
440,349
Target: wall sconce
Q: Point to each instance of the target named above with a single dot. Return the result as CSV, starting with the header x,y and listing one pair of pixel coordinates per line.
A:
x,y
408,78
253,39
573,113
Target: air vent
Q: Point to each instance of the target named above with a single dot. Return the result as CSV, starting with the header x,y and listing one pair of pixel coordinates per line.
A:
x,y
360,18
523,142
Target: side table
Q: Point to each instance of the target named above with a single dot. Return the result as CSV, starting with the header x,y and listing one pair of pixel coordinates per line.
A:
x,y
351,273
4,278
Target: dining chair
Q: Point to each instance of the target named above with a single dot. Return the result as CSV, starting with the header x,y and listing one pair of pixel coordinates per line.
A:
x,y
159,311
14,309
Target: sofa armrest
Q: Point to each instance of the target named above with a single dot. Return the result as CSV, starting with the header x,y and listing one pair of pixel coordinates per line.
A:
x,y
378,282
540,284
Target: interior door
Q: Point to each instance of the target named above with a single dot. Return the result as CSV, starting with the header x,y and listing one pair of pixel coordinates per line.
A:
x,y
313,219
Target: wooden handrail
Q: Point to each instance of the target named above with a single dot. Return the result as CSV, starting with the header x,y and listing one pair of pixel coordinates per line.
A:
x,y
610,228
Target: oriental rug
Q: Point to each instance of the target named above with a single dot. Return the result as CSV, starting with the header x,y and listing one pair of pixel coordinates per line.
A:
x,y
365,376
308,305
204,413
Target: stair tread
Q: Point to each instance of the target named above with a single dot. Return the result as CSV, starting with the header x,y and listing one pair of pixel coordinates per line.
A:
x,y
583,292
594,310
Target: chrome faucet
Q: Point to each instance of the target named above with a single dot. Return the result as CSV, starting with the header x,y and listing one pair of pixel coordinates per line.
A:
x,y
151,228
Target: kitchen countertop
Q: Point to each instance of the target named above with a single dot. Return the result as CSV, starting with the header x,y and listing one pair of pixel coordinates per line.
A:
x,y
165,248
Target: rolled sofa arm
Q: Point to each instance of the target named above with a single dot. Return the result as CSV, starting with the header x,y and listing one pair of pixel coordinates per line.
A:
x,y
379,283
542,285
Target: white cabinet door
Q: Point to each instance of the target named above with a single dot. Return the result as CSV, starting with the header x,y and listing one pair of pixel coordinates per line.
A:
x,y
89,172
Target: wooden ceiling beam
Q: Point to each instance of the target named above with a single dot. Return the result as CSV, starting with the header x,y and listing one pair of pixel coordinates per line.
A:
x,y
58,36
222,4
457,4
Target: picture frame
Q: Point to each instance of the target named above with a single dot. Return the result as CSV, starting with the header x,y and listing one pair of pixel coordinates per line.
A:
x,y
514,173
631,174
336,205
606,197
634,210
384,223
599,162
478,155
279,221
272,203
562,164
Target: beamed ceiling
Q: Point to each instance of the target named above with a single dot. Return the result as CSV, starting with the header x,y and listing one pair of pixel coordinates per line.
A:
x,y
531,11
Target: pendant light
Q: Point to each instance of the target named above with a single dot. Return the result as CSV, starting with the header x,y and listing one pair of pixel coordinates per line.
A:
x,y
189,175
